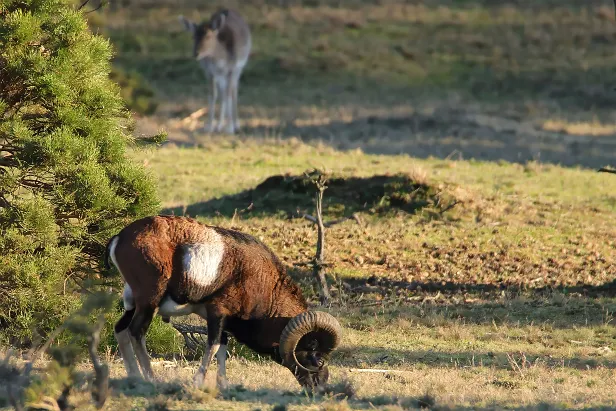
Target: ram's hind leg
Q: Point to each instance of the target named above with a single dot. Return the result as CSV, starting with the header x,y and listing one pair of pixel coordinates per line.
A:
x,y
138,328
124,344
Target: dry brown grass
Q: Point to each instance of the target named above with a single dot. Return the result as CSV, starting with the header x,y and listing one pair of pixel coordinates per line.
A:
x,y
582,128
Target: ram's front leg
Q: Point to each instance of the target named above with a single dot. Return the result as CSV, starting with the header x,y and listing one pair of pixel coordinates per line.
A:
x,y
215,325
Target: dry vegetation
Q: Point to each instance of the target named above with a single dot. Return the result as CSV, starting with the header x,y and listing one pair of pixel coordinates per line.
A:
x,y
481,284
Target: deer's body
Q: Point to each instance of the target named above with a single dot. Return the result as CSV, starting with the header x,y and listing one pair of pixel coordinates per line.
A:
x,y
222,46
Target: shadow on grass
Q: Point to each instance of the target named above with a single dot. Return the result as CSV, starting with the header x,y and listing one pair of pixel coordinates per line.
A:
x,y
450,132
558,307
384,286
335,393
288,196
384,357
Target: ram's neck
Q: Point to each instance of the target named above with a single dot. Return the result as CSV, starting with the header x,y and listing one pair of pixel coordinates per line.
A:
x,y
261,336
288,299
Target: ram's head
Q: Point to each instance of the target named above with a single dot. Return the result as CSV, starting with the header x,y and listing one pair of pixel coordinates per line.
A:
x,y
305,345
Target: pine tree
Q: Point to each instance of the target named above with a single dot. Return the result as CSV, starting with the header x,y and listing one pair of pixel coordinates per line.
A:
x,y
66,181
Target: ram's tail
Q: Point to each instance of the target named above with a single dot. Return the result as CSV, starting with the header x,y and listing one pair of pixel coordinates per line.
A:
x,y
111,244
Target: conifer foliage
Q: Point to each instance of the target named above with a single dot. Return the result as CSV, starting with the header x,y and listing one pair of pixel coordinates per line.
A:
x,y
66,182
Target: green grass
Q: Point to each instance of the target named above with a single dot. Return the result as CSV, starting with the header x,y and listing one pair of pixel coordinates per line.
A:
x,y
483,49
485,80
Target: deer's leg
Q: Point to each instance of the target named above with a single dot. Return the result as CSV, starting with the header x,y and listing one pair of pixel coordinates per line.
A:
x,y
222,89
235,80
209,127
230,129
138,327
215,325
124,344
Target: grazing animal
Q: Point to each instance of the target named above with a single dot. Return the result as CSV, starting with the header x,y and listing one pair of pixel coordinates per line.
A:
x,y
179,266
222,46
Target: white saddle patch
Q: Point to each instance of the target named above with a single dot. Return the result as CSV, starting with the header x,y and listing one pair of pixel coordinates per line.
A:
x,y
201,263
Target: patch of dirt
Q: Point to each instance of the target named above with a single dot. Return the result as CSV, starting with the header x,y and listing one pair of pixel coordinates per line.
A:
x,y
461,268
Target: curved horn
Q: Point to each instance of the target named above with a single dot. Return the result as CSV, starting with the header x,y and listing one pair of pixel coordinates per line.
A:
x,y
304,323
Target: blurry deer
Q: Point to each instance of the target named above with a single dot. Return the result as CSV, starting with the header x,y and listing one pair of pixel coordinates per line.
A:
x,y
222,46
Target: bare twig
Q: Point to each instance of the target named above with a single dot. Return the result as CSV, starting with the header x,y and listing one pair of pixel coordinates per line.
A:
x,y
194,335
514,365
310,218
102,3
450,206
317,267
100,390
373,370
34,352
605,169
4,203
7,162
46,403
35,184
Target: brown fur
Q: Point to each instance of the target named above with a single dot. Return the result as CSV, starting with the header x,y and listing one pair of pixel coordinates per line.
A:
x,y
256,285
252,297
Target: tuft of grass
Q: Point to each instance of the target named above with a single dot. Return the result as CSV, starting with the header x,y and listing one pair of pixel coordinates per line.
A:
x,y
335,406
200,396
159,403
426,401
343,389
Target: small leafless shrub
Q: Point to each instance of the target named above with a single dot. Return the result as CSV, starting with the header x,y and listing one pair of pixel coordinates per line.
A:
x,y
51,390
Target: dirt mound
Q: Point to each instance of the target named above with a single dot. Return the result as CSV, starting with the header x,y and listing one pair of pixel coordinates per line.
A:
x,y
293,196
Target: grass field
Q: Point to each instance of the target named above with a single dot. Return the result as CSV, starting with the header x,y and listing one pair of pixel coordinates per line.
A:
x,y
514,80
481,271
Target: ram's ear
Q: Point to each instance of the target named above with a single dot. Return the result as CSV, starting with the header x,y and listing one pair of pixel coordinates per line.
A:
x,y
188,25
